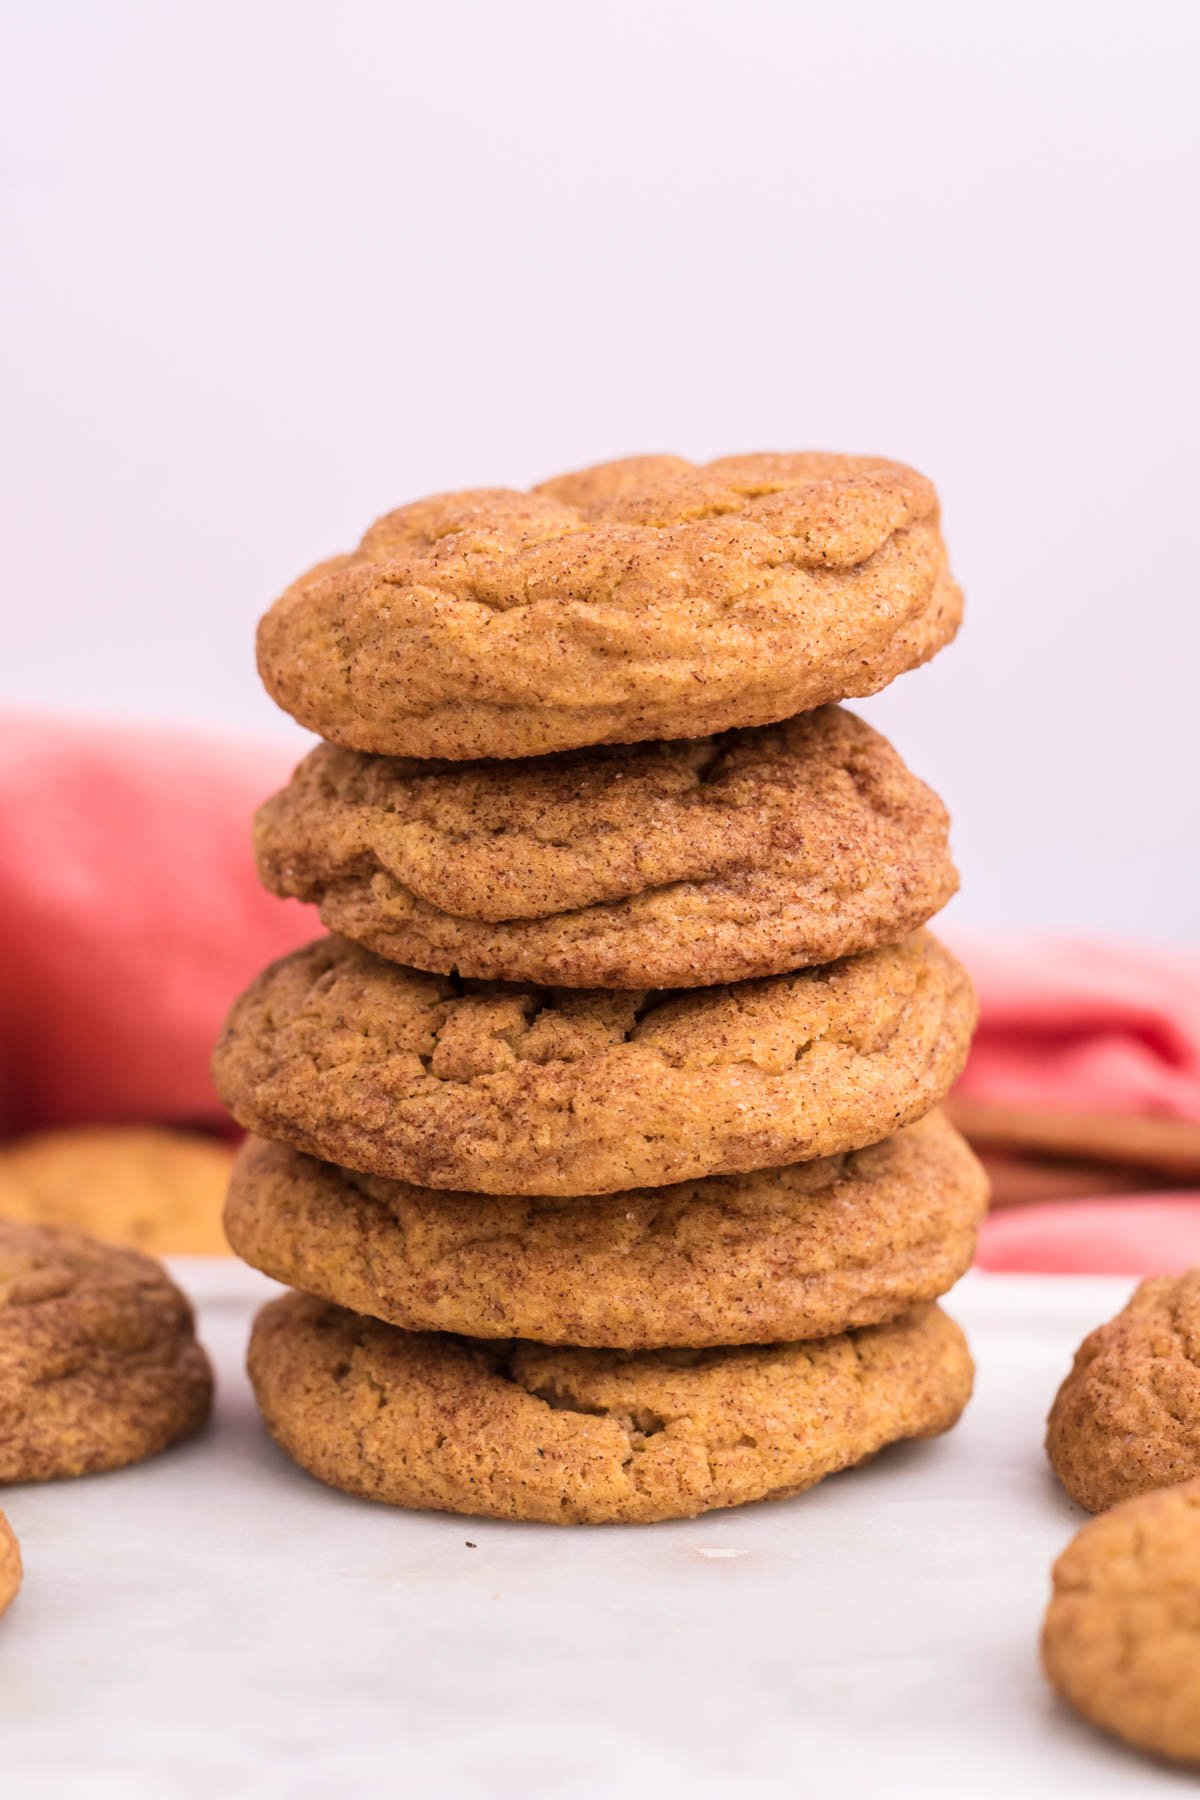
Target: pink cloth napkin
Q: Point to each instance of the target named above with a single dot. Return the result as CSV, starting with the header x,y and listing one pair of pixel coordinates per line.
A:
x,y
1088,1026
1137,1234
1084,1025
130,916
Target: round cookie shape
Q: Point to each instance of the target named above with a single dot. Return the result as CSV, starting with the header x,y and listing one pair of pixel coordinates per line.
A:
x,y
513,1430
649,598
1127,1417
1120,1641
512,1090
10,1565
678,864
99,1364
149,1189
801,1252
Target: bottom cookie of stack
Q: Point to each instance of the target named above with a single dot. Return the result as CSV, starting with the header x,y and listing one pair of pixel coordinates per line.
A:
x,y
517,1430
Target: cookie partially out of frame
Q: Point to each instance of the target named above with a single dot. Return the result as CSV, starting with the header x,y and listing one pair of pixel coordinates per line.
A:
x,y
514,1430
650,598
677,864
10,1564
800,1252
1121,1641
1127,1417
511,1090
99,1364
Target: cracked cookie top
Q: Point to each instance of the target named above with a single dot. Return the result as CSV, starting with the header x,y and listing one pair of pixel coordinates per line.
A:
x,y
799,1252
677,864
1127,1417
502,1089
650,598
519,1431
99,1364
1121,1641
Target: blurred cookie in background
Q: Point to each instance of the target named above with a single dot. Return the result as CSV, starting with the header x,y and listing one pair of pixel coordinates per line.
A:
x,y
10,1564
142,1187
1119,1641
99,1363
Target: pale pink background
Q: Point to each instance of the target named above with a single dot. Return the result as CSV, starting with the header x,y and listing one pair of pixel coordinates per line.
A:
x,y
273,267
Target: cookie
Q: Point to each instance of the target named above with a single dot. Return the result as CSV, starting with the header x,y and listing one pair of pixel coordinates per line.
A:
x,y
10,1564
801,1252
149,1189
513,1430
652,598
680,864
1121,1641
99,1364
1127,1417
510,1090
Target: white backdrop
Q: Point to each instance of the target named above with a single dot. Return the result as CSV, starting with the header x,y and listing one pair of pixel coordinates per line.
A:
x,y
277,267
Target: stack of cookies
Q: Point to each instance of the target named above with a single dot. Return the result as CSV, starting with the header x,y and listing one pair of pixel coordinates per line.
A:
x,y
599,1143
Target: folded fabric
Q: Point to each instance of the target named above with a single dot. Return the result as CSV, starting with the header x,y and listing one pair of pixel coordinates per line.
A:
x,y
131,916
1084,1025
1138,1234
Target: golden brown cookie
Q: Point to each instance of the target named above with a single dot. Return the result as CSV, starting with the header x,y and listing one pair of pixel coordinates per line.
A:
x,y
651,598
1127,1417
509,1090
149,1189
678,864
513,1430
801,1252
10,1564
1121,1640
99,1364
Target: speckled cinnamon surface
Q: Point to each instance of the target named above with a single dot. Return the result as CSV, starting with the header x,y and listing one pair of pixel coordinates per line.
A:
x,y
650,598
521,1090
676,864
99,1364
518,1431
804,1251
1127,1417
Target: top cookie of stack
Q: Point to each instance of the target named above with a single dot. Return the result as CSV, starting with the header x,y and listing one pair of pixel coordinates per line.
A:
x,y
649,598
626,906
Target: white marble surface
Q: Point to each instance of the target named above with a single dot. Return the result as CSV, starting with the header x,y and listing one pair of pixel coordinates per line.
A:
x,y
217,1624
